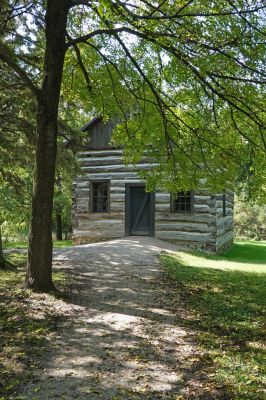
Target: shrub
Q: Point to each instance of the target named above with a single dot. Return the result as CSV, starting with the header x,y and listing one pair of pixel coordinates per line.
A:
x,y
250,220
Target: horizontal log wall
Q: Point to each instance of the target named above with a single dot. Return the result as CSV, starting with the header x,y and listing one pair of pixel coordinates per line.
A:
x,y
97,165
204,228
188,230
224,221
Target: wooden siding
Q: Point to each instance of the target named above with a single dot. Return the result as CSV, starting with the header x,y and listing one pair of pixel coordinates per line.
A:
x,y
224,223
205,228
99,134
188,230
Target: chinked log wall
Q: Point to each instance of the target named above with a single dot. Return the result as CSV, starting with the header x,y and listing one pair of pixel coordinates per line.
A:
x,y
224,223
205,228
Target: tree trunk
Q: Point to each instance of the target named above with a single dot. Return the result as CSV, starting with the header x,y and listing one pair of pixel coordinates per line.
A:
x,y
2,258
39,266
59,234
3,262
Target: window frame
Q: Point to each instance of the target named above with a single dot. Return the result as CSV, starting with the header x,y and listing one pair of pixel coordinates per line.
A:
x,y
174,197
92,182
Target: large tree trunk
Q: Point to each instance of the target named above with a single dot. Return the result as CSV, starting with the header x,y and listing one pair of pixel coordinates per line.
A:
x,y
59,233
39,267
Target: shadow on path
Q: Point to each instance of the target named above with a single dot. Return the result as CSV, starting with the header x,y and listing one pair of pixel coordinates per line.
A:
x,y
122,341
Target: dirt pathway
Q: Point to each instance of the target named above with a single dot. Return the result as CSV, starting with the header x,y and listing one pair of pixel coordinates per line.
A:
x,y
122,341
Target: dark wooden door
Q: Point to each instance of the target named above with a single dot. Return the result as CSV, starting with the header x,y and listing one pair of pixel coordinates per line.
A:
x,y
139,211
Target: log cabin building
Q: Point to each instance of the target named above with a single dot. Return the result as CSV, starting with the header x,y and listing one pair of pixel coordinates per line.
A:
x,y
110,202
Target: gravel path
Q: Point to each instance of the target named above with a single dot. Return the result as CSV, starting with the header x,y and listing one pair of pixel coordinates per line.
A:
x,y
122,340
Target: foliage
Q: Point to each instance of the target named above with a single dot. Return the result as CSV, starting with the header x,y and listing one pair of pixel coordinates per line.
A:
x,y
227,309
185,79
17,139
15,207
250,219
27,321
16,182
16,150
183,95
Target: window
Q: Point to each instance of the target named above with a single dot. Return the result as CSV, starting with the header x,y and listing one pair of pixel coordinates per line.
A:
x,y
100,196
182,202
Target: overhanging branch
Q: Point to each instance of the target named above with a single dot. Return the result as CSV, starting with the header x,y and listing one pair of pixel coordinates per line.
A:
x,y
10,59
97,32
75,3
81,64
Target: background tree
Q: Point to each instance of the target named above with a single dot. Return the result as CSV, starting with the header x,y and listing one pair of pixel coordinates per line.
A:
x,y
250,219
66,170
14,210
193,77
62,209
16,152
17,145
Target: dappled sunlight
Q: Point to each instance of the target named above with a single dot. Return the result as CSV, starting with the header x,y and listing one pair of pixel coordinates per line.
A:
x,y
114,320
242,256
124,341
227,310
126,331
250,243
257,346
216,262
124,250
160,311
150,380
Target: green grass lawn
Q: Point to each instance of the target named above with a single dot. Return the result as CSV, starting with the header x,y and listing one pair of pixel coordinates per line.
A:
x,y
225,298
253,252
249,256
24,244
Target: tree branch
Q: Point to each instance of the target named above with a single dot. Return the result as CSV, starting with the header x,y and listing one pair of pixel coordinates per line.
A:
x,y
81,64
235,78
75,3
8,58
245,19
178,13
90,35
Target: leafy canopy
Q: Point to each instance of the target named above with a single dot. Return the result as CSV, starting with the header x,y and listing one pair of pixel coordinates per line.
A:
x,y
185,78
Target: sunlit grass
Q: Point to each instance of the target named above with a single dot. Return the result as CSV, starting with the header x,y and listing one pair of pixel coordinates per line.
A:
x,y
24,244
249,256
253,252
226,300
62,243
